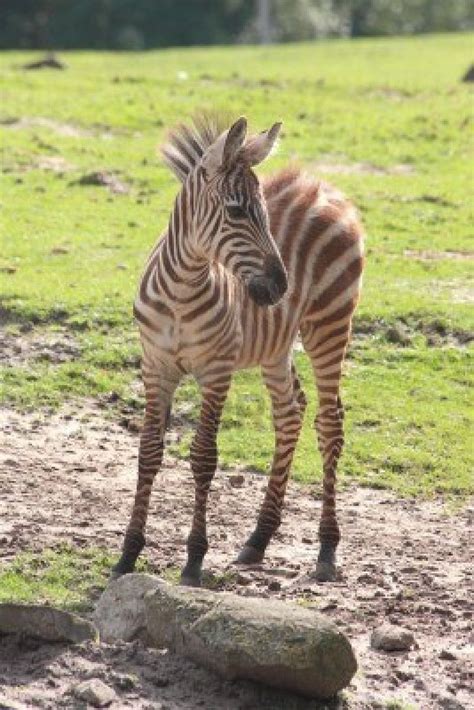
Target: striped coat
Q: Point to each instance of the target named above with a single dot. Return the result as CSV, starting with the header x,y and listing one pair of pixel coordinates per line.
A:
x,y
243,269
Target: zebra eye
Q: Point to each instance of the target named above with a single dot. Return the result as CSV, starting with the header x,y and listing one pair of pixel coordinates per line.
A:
x,y
236,212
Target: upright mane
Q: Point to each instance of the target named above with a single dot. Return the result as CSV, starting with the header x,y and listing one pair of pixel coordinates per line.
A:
x,y
186,143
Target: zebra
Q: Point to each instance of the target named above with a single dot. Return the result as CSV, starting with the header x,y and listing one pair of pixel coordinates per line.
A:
x,y
242,269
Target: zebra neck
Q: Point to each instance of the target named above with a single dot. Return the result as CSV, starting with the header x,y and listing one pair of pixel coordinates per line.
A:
x,y
180,273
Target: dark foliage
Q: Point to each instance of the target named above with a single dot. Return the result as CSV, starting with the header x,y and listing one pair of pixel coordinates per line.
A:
x,y
143,24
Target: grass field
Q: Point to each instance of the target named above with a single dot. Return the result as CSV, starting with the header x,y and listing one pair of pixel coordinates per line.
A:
x,y
386,120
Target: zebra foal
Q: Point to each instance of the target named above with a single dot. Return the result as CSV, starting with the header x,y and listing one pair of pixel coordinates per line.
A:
x,y
241,270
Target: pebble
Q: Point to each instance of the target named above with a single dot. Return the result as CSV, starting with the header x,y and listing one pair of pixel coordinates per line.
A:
x,y
367,579
125,681
404,673
274,586
95,692
392,638
237,480
448,702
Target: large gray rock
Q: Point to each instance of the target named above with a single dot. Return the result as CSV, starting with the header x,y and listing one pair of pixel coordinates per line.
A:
x,y
270,641
45,622
120,611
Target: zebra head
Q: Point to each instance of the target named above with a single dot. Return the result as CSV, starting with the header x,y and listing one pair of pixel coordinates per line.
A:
x,y
222,202
231,223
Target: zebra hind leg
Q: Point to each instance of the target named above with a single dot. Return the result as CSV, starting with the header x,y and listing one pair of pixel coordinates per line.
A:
x,y
326,348
288,404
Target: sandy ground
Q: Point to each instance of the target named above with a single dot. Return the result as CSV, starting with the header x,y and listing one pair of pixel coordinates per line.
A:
x,y
70,477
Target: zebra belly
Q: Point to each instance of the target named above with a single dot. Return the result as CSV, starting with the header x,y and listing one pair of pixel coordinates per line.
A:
x,y
171,342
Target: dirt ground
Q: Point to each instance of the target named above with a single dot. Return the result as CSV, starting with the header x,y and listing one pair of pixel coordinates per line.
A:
x,y
70,477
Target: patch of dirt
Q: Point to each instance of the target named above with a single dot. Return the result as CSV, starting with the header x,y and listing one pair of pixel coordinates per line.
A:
x,y
104,179
429,255
68,130
25,348
50,61
403,561
54,163
437,334
388,92
331,167
463,295
34,676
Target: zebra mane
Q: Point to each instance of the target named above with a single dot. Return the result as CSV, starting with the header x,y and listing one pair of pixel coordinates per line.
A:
x,y
186,143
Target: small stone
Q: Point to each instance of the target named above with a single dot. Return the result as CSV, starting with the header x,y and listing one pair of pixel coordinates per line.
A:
x,y
133,424
446,654
237,481
448,702
392,638
95,692
274,586
367,579
307,540
243,579
10,462
404,673
125,682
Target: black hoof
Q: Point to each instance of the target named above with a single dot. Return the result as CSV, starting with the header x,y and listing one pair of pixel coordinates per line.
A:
x,y
120,569
325,572
191,574
133,545
187,581
250,556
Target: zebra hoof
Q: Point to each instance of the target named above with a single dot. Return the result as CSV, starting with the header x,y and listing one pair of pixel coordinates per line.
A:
x,y
250,556
120,569
325,572
188,581
191,574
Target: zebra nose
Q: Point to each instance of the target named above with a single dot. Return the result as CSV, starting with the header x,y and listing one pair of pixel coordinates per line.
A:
x,y
267,289
276,272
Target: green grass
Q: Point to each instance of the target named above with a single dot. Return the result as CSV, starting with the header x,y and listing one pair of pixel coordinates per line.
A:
x,y
67,577
384,102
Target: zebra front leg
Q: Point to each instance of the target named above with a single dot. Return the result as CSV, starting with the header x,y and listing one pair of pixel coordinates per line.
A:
x,y
158,393
288,404
203,465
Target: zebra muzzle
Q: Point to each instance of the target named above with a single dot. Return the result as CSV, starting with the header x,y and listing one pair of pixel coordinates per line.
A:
x,y
268,288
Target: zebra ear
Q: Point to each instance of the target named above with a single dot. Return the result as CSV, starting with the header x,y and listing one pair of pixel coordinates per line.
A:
x,y
234,140
259,147
226,148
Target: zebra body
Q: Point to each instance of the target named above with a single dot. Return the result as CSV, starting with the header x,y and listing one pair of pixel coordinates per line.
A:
x,y
241,271
305,220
